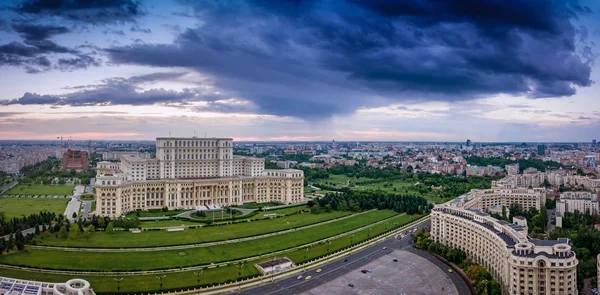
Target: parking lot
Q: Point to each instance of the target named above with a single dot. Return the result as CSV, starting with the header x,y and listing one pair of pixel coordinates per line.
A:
x,y
412,274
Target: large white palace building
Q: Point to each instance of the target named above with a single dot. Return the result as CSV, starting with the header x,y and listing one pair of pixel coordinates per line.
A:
x,y
521,265
192,172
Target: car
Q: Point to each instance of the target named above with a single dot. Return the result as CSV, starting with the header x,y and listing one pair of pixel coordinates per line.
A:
x,y
351,285
364,271
319,270
300,277
345,259
384,248
395,260
449,270
308,278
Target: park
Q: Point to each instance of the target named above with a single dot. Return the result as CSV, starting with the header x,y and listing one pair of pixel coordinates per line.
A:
x,y
315,235
40,190
18,207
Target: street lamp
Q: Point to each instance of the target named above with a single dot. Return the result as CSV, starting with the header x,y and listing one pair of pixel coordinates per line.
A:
x,y
305,252
272,268
386,225
351,237
240,265
198,274
370,232
118,283
328,244
160,279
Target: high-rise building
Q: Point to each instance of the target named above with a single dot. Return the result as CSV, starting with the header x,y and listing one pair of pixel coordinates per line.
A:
x,y
74,160
541,149
512,169
593,142
191,173
468,142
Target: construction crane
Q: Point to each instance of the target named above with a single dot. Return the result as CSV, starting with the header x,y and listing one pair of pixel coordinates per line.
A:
x,y
61,147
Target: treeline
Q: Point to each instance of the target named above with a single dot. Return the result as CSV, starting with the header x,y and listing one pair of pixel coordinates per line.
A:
x,y
45,171
539,164
483,282
440,185
358,201
10,226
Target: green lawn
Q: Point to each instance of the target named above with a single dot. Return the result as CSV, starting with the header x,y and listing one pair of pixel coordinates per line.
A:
x,y
124,261
298,256
282,211
397,186
17,207
142,283
33,189
338,179
167,223
259,205
87,197
215,215
149,283
156,213
124,239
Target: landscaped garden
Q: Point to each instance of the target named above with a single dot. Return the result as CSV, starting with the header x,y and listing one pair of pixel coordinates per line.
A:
x,y
39,189
124,239
123,261
17,207
259,205
149,283
330,223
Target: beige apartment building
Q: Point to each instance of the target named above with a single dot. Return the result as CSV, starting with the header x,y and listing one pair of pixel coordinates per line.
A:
x,y
577,201
484,199
520,265
192,172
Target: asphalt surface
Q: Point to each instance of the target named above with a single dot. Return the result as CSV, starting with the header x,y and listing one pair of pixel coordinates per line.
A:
x,y
7,186
337,268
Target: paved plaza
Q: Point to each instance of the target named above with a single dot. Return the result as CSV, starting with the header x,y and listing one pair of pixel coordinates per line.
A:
x,y
412,274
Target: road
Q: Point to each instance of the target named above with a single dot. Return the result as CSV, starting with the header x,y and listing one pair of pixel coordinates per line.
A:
x,y
7,186
550,226
354,262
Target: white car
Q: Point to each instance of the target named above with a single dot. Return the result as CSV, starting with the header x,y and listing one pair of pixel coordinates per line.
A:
x,y
300,277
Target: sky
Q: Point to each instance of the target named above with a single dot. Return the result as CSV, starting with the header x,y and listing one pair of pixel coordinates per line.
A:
x,y
260,70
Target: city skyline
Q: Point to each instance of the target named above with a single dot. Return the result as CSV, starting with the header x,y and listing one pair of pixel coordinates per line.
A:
x,y
300,71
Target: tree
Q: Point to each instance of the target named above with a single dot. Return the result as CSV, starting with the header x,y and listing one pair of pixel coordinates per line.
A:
x,y
2,246
74,215
62,233
101,222
109,228
74,232
19,240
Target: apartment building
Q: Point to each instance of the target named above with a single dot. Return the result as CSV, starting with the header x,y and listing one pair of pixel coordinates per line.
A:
x,y
520,265
577,201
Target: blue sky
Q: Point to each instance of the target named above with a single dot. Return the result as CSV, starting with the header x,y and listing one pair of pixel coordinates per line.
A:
x,y
441,70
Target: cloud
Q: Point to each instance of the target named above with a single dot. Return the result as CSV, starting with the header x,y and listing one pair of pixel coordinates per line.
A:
x,y
38,54
94,12
318,59
38,32
121,91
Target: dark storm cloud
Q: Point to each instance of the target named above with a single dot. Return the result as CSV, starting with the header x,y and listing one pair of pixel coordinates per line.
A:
x,y
38,32
316,59
88,11
120,91
36,53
